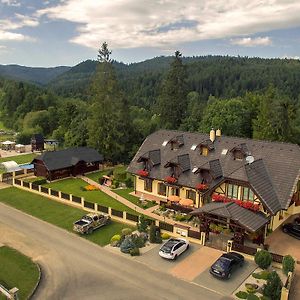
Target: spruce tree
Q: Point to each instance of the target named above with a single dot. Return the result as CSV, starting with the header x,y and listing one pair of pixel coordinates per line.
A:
x,y
172,101
108,125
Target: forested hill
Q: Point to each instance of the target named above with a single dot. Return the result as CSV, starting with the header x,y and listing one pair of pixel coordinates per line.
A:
x,y
220,76
39,76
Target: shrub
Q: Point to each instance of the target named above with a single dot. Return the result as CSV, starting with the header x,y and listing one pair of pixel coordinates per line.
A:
x,y
120,175
126,231
252,297
263,259
39,181
138,241
264,298
165,236
288,264
129,182
134,252
242,295
179,217
142,225
162,207
127,245
251,287
273,287
116,183
261,275
154,234
115,240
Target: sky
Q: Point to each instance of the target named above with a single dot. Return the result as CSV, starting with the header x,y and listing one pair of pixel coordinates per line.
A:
x,y
67,32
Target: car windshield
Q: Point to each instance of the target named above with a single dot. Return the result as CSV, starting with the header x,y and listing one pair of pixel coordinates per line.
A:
x,y
86,218
221,264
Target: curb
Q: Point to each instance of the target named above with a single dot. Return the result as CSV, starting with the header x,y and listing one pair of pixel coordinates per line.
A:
x,y
38,282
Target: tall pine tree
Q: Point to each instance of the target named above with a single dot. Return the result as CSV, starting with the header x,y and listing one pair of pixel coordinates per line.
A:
x,y
172,101
108,125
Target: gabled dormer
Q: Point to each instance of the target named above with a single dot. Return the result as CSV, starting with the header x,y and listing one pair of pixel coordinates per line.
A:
x,y
205,147
150,159
179,165
240,152
176,142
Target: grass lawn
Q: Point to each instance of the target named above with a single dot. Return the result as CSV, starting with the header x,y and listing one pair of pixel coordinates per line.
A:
x,y
72,186
56,213
20,159
125,193
96,175
17,270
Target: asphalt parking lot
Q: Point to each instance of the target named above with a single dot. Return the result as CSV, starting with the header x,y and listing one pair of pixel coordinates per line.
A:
x,y
226,287
153,260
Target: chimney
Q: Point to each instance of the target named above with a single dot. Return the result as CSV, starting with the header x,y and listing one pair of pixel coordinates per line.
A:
x,y
212,135
218,132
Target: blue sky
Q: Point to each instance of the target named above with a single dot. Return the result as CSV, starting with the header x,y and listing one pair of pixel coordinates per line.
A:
x,y
66,32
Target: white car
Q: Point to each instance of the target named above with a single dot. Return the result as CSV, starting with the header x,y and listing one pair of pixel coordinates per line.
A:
x,y
172,248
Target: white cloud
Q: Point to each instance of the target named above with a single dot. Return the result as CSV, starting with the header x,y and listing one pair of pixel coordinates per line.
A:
x,y
252,42
17,21
165,23
10,2
12,36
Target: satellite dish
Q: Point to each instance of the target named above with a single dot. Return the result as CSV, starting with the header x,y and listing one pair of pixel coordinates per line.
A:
x,y
249,159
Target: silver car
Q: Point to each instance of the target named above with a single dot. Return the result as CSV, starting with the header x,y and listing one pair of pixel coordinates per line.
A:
x,y
173,248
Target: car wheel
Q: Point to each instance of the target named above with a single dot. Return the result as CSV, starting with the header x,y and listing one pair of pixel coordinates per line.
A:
x,y
175,257
229,275
188,246
285,229
90,230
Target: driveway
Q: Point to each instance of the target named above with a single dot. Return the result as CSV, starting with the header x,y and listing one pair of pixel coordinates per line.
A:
x,y
284,244
154,261
226,287
74,268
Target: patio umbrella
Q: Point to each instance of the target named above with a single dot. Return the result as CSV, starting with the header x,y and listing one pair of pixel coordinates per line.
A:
x,y
186,202
174,198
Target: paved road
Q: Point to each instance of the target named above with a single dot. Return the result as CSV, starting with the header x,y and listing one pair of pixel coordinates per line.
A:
x,y
74,268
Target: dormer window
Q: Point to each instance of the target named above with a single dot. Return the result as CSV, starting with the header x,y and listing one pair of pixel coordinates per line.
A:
x,y
204,151
238,155
176,142
240,152
205,147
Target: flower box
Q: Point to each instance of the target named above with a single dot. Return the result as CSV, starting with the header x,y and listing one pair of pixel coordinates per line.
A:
x,y
170,179
143,173
201,186
245,204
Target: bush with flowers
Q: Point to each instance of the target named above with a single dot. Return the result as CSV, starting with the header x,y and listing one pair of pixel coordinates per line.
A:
x,y
90,187
170,179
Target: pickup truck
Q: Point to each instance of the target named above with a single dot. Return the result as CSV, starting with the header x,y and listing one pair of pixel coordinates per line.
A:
x,y
88,223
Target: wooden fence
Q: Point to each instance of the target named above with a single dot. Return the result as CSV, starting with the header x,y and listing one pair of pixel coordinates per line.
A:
x,y
81,203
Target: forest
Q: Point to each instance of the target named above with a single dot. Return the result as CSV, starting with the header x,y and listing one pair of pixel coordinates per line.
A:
x,y
112,106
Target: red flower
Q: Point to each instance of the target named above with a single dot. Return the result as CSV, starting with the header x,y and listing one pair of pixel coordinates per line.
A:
x,y
201,186
218,198
143,173
170,179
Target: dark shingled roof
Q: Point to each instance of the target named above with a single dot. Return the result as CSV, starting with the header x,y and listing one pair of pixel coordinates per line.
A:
x,y
250,220
281,162
260,181
55,160
216,168
38,138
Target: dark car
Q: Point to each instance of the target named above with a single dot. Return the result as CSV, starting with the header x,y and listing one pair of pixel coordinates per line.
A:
x,y
226,264
292,229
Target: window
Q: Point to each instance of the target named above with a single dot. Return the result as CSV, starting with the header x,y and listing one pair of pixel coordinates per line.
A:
x,y
232,191
190,194
248,194
162,189
238,155
148,184
175,192
204,151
